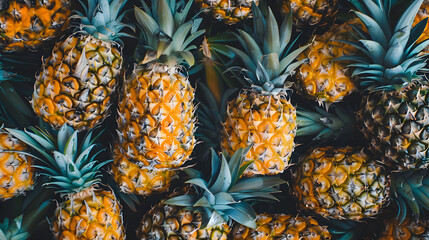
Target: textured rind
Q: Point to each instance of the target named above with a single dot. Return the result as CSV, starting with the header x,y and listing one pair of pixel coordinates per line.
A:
x,y
409,229
310,13
281,226
25,26
266,121
396,123
164,222
322,78
342,183
77,81
132,179
16,174
228,11
156,122
90,214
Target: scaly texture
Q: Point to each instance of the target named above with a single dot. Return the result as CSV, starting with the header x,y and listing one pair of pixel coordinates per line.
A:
x,y
228,11
281,226
310,13
156,121
16,174
322,78
90,214
77,81
396,123
409,229
343,183
28,26
266,121
133,179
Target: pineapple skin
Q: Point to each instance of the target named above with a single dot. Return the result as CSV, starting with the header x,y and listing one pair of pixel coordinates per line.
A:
x,y
25,26
342,183
133,179
396,125
156,122
76,83
266,121
171,222
90,214
228,11
16,173
407,230
310,13
281,226
321,78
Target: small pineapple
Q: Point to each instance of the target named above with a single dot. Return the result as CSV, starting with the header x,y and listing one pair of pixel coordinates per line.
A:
x,y
394,113
30,24
206,208
228,11
262,114
310,13
76,83
281,226
409,229
88,211
342,183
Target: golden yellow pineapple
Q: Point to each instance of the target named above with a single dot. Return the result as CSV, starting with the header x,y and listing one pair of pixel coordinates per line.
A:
x,y
281,226
77,81
16,173
88,210
342,183
228,11
262,115
29,24
133,179
310,13
321,77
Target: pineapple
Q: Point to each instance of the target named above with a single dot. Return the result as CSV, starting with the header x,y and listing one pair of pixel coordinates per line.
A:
x,y
421,15
342,183
156,122
281,226
393,113
310,13
409,229
228,11
76,83
206,208
29,24
88,210
262,115
322,77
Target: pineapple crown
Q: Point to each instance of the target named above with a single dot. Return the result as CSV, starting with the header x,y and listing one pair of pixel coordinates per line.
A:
x,y
70,167
165,34
390,57
12,229
226,196
267,54
101,19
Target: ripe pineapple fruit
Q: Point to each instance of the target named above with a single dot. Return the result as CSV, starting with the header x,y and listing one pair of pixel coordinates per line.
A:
x,y
156,122
29,24
262,114
88,211
310,13
342,183
408,229
228,11
322,77
206,208
393,111
76,83
281,226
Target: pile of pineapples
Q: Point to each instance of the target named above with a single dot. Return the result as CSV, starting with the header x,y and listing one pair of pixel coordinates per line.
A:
x,y
214,119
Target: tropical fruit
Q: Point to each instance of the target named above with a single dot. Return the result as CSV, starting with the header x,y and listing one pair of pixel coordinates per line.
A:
x,y
421,15
206,207
77,81
310,13
342,183
262,115
88,211
30,24
228,11
409,228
